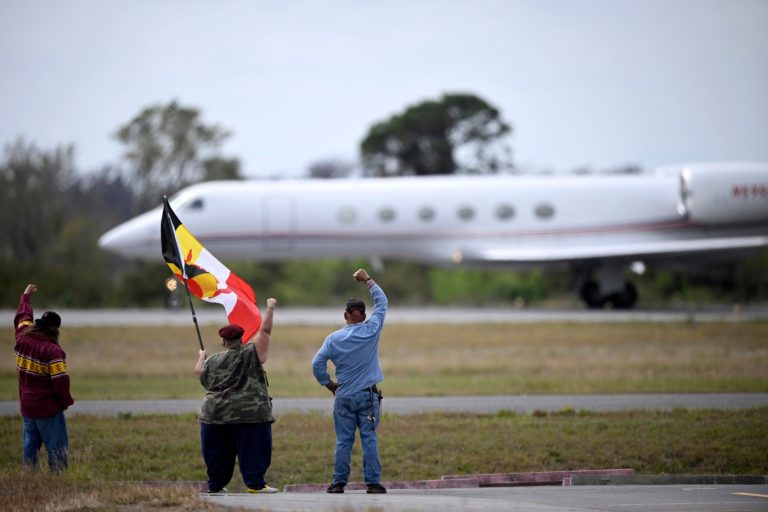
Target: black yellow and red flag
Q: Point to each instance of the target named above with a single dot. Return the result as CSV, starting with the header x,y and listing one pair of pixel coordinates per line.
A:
x,y
205,276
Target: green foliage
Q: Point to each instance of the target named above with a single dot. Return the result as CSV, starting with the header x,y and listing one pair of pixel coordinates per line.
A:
x,y
221,169
482,287
169,147
32,208
427,137
143,284
319,283
331,168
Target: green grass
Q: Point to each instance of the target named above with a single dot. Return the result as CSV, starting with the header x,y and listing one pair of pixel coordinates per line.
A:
x,y
143,362
164,447
107,454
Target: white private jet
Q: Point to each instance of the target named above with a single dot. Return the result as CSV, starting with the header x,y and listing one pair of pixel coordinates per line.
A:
x,y
595,225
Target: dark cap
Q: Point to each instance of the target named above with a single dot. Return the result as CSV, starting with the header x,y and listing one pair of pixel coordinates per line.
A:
x,y
231,332
49,319
355,304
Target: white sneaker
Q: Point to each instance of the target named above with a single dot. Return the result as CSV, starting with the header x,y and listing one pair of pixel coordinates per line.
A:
x,y
264,490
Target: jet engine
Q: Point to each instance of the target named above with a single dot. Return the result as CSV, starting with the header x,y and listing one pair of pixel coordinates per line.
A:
x,y
722,194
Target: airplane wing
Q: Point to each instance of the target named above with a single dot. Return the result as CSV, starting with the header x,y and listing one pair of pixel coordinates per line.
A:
x,y
668,248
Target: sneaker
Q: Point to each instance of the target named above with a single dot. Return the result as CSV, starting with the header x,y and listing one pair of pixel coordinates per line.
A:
x,y
335,489
264,490
222,490
376,489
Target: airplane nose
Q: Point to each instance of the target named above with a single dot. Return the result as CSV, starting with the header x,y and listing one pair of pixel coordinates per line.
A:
x,y
114,240
137,238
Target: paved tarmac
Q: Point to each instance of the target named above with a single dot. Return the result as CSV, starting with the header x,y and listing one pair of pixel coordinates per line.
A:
x,y
413,315
524,404
609,498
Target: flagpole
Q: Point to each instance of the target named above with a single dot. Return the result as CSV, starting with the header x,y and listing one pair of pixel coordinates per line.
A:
x,y
184,276
194,315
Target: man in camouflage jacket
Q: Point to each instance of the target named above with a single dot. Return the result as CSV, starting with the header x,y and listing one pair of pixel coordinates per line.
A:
x,y
236,415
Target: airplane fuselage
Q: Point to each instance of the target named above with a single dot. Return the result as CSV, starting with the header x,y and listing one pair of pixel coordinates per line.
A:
x,y
488,220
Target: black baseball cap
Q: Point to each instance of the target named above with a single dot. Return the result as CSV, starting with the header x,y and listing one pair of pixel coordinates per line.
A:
x,y
49,319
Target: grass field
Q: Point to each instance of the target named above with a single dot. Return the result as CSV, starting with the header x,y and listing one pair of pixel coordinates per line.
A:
x,y
108,455
141,362
107,452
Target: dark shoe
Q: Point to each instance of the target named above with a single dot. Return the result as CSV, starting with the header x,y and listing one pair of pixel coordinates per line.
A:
x,y
335,489
376,489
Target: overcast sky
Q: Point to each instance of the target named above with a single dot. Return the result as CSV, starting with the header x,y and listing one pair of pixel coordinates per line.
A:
x,y
592,83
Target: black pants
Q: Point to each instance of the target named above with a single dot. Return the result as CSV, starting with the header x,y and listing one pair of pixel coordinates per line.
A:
x,y
251,443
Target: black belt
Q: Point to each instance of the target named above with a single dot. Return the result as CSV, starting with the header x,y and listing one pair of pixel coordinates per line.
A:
x,y
372,389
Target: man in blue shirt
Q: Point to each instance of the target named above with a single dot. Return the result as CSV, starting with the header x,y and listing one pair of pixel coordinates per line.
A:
x,y
354,352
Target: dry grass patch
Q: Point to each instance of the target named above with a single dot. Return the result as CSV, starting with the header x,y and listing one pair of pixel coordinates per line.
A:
x,y
23,491
143,362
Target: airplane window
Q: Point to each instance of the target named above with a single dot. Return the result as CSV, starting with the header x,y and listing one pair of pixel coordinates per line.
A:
x,y
466,213
504,212
545,211
387,214
197,204
347,215
426,214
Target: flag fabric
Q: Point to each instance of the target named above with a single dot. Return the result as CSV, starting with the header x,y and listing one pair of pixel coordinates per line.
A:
x,y
206,277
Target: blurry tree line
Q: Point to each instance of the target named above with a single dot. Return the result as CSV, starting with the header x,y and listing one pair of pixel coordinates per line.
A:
x,y
52,214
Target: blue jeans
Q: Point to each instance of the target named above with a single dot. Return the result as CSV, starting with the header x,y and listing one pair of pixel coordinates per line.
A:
x,y
350,413
51,431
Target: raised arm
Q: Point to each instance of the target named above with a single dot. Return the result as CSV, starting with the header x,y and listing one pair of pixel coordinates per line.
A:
x,y
200,360
380,303
264,336
24,315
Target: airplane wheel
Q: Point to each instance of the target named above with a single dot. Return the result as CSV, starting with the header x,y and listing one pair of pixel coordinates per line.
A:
x,y
590,294
626,298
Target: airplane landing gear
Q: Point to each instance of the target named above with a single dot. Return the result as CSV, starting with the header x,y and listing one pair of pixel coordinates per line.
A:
x,y
594,298
625,298
590,294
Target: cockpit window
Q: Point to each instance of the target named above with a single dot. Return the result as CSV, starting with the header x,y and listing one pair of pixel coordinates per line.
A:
x,y
184,202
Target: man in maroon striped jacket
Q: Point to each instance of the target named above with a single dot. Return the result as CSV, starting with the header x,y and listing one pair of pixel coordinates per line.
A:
x,y
41,366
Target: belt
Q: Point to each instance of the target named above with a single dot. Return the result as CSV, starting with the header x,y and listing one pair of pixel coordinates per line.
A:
x,y
372,389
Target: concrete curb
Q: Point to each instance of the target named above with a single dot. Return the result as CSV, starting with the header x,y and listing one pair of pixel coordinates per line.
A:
x,y
538,477
467,483
620,476
476,480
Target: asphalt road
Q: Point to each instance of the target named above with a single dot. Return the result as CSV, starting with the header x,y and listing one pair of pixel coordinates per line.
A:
x,y
413,315
610,498
523,404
